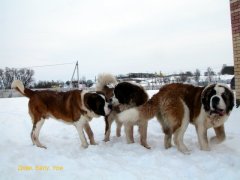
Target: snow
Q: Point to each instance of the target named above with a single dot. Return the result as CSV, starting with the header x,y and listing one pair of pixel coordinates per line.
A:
x,y
65,159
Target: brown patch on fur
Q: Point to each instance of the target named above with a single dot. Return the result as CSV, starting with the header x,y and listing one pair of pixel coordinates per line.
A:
x,y
129,95
66,106
175,105
75,107
171,96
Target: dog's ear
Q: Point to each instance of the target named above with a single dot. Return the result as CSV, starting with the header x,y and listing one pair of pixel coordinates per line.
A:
x,y
205,104
229,99
206,96
94,102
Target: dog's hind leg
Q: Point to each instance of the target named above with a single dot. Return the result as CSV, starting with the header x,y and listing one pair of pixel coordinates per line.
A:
x,y
178,140
166,129
37,125
118,129
179,132
143,134
167,140
128,130
167,136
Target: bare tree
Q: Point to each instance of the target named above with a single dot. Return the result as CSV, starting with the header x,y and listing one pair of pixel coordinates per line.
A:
x,y
8,77
49,84
183,77
210,73
25,75
9,74
197,75
1,79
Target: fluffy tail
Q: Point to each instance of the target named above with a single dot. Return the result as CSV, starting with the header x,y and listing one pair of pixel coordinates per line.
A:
x,y
18,85
131,115
144,112
104,80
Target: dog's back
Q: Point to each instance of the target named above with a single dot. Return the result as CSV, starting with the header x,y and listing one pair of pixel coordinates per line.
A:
x,y
130,94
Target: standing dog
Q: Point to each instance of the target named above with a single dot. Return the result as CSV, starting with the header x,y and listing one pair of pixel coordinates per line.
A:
x,y
124,95
175,105
74,107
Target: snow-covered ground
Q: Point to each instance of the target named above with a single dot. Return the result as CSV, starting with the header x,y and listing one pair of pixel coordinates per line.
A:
x,y
65,159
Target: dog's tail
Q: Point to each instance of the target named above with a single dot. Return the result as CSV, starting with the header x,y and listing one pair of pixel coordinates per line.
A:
x,y
131,115
144,112
18,85
104,80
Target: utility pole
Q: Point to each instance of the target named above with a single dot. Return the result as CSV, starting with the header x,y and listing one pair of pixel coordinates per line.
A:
x,y
76,68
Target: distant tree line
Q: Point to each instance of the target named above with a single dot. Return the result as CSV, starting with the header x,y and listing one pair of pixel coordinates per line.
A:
x,y
180,77
7,76
48,84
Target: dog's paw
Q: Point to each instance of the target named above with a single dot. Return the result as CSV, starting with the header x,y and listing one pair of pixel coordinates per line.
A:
x,y
130,142
85,145
147,147
106,139
205,148
167,145
186,152
215,140
183,149
94,143
42,146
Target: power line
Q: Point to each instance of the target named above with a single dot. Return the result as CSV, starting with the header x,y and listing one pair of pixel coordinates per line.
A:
x,y
49,65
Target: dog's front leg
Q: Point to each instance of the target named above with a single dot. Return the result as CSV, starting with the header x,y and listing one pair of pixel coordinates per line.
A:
x,y
128,130
108,121
79,126
202,137
220,135
90,133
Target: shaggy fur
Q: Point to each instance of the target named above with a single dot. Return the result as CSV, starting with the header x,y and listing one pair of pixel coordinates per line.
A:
x,y
123,95
73,107
175,105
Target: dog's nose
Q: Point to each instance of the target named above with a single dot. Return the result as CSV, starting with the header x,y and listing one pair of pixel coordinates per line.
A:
x,y
110,106
215,101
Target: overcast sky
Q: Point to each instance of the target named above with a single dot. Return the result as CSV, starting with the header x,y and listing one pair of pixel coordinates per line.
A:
x,y
114,36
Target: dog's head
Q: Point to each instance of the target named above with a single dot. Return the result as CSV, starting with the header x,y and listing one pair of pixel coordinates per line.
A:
x,y
108,92
97,103
217,99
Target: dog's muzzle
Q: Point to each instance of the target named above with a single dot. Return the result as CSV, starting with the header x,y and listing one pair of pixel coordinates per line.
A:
x,y
216,108
110,106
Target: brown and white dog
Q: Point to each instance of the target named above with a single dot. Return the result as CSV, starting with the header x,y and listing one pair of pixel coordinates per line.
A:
x,y
124,95
175,105
75,107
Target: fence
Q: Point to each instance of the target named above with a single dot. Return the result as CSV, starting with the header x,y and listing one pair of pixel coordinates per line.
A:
x,y
8,93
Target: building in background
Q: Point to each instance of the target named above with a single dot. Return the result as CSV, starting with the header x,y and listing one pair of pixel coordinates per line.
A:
x,y
235,21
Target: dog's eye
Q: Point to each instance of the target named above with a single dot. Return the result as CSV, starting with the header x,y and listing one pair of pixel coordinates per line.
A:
x,y
224,95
